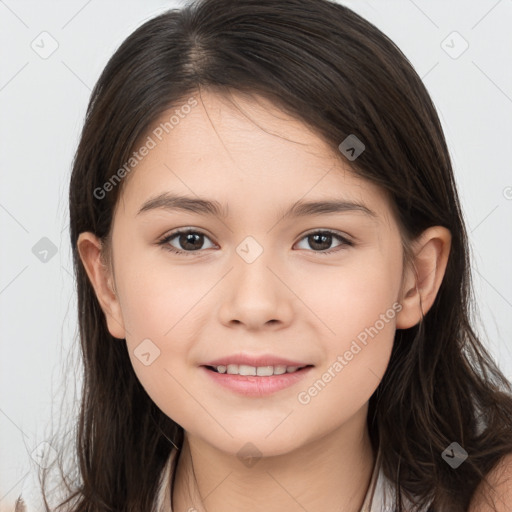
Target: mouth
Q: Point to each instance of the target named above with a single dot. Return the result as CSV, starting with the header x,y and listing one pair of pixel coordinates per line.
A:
x,y
255,371
256,382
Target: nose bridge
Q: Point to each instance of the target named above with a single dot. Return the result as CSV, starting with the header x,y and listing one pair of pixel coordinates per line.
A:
x,y
255,294
251,266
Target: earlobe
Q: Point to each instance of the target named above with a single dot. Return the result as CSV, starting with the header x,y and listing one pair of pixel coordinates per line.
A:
x,y
89,248
424,275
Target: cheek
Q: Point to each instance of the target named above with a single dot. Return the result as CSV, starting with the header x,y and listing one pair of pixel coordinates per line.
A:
x,y
355,360
357,308
353,296
159,298
158,308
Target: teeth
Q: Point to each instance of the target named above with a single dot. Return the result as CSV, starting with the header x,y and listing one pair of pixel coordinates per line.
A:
x,y
244,369
265,371
260,371
279,370
232,369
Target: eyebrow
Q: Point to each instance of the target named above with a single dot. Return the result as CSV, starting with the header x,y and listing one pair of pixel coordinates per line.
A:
x,y
172,202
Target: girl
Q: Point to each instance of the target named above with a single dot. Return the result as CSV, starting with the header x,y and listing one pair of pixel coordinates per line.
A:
x,y
273,277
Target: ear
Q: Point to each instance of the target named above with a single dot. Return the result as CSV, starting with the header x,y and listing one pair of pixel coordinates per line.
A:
x,y
89,248
424,275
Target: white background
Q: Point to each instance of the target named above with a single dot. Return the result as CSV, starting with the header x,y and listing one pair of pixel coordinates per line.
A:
x,y
43,103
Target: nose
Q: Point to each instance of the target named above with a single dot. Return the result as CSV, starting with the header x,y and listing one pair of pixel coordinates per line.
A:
x,y
255,295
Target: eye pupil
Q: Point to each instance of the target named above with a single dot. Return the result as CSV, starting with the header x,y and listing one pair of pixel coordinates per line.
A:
x,y
189,238
323,239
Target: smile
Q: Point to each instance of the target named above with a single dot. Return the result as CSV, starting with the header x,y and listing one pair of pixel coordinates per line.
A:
x,y
256,381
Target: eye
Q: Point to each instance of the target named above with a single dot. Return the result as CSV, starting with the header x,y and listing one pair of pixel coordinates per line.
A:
x,y
323,239
190,240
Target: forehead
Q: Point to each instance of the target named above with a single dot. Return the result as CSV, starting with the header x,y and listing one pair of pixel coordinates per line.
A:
x,y
241,147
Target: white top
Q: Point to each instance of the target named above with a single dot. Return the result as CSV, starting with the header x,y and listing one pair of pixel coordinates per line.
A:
x,y
380,496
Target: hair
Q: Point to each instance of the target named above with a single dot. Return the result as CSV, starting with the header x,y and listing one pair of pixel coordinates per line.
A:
x,y
329,68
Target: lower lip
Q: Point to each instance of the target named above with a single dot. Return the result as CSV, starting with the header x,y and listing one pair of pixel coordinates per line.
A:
x,y
251,385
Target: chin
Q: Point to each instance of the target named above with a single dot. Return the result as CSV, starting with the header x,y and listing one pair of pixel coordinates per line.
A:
x,y
249,446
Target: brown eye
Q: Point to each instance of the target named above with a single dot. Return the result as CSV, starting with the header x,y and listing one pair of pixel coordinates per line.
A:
x,y
321,241
191,241
187,240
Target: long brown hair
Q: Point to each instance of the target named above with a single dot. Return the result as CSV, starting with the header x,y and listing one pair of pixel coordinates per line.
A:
x,y
333,70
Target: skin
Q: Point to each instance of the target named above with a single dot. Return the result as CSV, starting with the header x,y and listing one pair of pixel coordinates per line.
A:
x,y
292,301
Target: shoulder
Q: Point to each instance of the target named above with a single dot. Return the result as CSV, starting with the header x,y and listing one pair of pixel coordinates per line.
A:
x,y
499,497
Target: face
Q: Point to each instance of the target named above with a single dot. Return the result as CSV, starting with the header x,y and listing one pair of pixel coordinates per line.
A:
x,y
319,286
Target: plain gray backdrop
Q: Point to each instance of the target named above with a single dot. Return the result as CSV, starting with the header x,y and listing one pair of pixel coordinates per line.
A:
x,y
53,53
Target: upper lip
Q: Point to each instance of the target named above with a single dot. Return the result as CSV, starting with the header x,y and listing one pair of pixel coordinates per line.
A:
x,y
262,360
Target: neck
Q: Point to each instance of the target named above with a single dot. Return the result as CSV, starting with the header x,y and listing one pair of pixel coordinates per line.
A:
x,y
331,473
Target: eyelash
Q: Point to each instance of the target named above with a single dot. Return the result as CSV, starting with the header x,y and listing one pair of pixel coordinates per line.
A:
x,y
164,242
